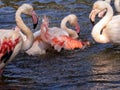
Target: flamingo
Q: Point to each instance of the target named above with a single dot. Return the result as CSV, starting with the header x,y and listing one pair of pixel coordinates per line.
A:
x,y
59,38
107,30
11,41
39,46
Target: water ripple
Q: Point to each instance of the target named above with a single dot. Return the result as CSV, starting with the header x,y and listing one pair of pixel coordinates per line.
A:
x,y
96,67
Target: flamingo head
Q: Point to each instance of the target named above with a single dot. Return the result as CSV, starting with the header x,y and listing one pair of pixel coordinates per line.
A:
x,y
28,9
99,8
74,21
77,27
34,19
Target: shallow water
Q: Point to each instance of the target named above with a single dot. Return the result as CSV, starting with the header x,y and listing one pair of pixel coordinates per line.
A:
x,y
94,68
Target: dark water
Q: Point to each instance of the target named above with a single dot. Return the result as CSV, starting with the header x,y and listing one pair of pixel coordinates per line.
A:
x,y
94,68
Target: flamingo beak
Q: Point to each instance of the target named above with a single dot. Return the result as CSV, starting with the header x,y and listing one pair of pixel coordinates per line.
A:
x,y
77,27
92,16
94,12
93,23
34,19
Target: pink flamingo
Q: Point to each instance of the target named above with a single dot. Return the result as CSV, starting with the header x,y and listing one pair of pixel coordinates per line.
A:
x,y
40,46
11,41
59,38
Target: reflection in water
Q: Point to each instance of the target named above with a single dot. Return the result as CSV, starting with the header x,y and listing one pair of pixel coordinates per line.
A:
x,y
105,69
96,67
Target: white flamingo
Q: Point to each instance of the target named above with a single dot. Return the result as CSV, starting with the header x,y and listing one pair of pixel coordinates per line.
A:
x,y
11,41
107,30
40,46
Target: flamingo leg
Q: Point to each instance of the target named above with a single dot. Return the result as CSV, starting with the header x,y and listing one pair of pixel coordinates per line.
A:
x,y
7,56
1,72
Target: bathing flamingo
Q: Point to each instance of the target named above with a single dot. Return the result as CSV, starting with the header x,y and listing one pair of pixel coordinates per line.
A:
x,y
40,46
107,30
11,41
59,38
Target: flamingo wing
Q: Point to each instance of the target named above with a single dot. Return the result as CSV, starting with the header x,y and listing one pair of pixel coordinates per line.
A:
x,y
71,43
66,42
8,42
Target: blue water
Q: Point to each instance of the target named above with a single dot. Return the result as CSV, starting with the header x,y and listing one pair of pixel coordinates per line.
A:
x,y
94,68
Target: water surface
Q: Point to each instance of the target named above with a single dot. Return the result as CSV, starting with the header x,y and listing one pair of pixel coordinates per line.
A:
x,y
94,68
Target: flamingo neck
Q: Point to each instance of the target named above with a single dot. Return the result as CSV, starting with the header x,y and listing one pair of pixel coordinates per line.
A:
x,y
117,5
96,32
71,32
27,43
63,24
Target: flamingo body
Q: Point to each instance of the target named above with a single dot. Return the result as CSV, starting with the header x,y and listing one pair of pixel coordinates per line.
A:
x,y
113,29
58,38
55,31
41,44
11,41
10,45
39,47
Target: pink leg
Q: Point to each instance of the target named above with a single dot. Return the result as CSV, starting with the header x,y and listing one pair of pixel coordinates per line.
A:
x,y
1,71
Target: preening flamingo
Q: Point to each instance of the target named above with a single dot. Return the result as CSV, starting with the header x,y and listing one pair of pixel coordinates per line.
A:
x,y
73,20
107,30
40,46
59,38
11,41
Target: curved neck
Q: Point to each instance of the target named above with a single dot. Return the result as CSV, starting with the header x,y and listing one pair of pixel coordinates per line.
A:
x,y
117,5
27,43
100,26
63,26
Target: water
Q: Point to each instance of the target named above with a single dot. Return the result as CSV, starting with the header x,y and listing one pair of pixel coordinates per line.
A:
x,y
94,68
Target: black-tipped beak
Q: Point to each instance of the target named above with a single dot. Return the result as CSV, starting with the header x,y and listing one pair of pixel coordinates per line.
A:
x,y
77,27
92,15
34,19
93,23
78,33
35,25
